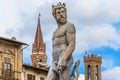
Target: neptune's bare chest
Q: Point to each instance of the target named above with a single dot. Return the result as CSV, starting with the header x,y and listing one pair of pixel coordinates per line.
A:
x,y
60,32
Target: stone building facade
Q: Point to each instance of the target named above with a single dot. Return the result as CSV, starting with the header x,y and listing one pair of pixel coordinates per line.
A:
x,y
92,67
10,59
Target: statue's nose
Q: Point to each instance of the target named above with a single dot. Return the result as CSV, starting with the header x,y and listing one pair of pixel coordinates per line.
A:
x,y
61,15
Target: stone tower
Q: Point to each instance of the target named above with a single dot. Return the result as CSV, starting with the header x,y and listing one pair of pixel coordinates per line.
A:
x,y
92,67
38,48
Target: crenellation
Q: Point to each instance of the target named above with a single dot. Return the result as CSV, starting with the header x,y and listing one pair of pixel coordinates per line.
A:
x,y
92,57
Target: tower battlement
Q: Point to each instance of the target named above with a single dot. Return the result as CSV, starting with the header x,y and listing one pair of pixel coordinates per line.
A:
x,y
93,57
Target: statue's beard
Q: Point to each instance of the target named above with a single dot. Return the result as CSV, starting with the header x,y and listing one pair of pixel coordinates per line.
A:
x,y
62,20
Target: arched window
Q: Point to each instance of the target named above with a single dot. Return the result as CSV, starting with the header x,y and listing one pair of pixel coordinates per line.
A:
x,y
40,60
40,49
96,72
89,71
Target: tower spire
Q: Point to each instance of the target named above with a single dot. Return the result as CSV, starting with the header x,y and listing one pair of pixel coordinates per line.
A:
x,y
39,47
39,32
38,36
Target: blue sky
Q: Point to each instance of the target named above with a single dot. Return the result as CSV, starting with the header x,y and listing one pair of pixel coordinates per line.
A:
x,y
97,25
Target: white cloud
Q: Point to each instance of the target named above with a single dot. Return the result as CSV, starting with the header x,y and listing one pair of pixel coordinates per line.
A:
x,y
96,36
95,11
111,74
12,13
9,17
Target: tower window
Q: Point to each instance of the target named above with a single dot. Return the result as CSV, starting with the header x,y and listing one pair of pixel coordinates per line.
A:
x,y
40,60
89,71
41,49
34,49
96,72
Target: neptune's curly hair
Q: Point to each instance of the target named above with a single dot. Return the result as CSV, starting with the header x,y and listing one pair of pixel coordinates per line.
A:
x,y
58,6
